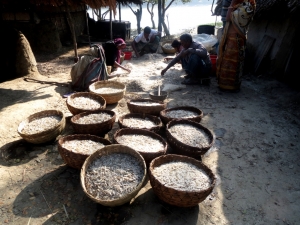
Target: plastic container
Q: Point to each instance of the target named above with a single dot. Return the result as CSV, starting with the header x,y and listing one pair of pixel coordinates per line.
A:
x,y
128,55
213,59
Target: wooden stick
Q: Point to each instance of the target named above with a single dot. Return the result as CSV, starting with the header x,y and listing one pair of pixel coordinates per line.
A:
x,y
158,93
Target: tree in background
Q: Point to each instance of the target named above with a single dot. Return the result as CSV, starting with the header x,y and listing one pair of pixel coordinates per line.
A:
x,y
138,14
162,8
150,7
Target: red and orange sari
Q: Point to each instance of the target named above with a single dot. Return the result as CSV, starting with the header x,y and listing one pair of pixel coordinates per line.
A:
x,y
231,54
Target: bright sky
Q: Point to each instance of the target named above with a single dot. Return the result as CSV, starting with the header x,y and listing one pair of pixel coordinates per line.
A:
x,y
180,16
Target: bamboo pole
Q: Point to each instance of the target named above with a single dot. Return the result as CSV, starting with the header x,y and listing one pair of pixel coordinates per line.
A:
x,y
71,25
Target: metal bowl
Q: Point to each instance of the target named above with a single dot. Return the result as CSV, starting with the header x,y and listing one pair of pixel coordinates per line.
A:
x,y
154,95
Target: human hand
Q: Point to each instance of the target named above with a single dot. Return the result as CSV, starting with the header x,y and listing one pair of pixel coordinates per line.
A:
x,y
163,72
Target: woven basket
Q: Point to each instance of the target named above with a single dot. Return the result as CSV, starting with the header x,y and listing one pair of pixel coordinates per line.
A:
x,y
184,149
74,110
110,149
165,119
148,156
109,98
74,159
177,197
99,129
152,110
154,119
47,135
166,50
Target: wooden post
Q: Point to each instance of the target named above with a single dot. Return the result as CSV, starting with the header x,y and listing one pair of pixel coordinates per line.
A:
x,y
71,25
87,27
110,25
119,12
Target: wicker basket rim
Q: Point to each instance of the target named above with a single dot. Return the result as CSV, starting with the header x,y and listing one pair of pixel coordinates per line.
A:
x,y
141,131
106,83
110,112
198,125
140,115
145,100
114,149
38,115
77,137
187,108
92,95
180,158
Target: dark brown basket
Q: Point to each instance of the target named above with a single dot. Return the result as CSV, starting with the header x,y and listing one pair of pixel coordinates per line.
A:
x,y
45,136
99,129
90,95
74,159
165,119
177,197
148,156
109,98
153,110
166,50
184,149
110,149
154,119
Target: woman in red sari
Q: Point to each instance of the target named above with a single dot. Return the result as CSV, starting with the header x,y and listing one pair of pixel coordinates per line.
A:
x,y
231,53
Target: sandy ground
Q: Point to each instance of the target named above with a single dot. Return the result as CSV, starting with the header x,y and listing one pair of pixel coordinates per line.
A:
x,y
255,155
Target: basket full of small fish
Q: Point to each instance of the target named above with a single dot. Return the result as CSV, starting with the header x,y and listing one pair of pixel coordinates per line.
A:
x,y
111,91
189,138
42,126
74,149
113,175
180,180
181,112
167,48
146,106
140,121
80,102
149,144
95,123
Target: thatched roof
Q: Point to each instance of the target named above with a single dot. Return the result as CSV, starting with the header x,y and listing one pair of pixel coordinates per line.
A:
x,y
271,7
94,4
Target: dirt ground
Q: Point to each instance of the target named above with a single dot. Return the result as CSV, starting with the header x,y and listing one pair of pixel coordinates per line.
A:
x,y
255,155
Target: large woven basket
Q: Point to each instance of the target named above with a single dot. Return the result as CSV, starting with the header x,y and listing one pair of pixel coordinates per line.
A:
x,y
111,149
184,149
75,110
109,98
148,156
166,119
156,120
178,197
99,129
75,159
152,110
167,50
44,136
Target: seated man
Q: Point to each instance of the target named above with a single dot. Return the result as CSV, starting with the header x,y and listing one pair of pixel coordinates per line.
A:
x,y
146,42
195,61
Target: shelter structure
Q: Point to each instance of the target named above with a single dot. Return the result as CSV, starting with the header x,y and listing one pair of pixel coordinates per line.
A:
x,y
273,39
45,25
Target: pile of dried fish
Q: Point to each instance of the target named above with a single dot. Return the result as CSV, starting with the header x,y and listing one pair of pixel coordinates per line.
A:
x,y
138,122
168,46
145,103
182,176
85,103
41,124
141,143
113,176
190,135
85,147
108,90
94,118
181,114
